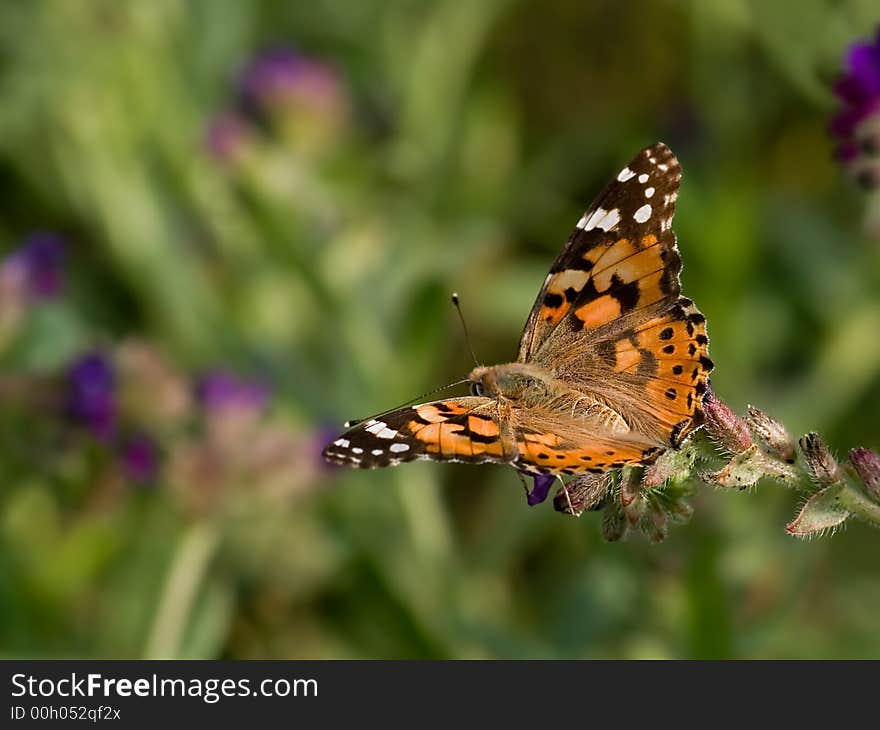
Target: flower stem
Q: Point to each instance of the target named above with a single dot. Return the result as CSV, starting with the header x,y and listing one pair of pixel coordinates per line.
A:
x,y
853,500
181,589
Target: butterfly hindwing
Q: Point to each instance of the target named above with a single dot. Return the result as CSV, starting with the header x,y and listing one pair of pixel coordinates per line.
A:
x,y
545,452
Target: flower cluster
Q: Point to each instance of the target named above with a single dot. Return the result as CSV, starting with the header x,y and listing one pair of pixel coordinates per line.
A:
x,y
128,415
857,123
649,499
31,273
297,99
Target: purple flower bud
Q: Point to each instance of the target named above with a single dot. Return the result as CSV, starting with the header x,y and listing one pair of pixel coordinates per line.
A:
x,y
541,487
282,77
820,460
39,261
91,395
867,466
140,459
728,429
222,390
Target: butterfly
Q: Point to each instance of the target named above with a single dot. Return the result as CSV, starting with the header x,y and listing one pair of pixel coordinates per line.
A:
x,y
613,362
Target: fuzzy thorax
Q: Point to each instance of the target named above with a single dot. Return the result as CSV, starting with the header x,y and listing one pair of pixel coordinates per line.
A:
x,y
528,386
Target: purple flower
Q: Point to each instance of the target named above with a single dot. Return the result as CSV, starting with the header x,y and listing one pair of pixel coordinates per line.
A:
x,y
541,487
38,262
221,390
280,76
140,459
91,395
867,466
857,123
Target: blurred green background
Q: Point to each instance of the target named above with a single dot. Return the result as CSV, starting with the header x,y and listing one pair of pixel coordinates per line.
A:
x,y
277,198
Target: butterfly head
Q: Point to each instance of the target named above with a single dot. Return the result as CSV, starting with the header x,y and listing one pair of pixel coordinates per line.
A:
x,y
483,381
513,381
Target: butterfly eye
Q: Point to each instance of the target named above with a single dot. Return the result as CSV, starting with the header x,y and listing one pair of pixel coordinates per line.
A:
x,y
477,388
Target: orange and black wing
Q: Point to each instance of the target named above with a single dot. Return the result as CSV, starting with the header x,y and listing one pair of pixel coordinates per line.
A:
x,y
621,256
545,452
456,429
611,314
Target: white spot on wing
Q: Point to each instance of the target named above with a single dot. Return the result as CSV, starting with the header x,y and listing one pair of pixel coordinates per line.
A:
x,y
387,433
642,214
643,178
357,450
375,426
342,442
601,218
376,452
625,174
649,192
398,448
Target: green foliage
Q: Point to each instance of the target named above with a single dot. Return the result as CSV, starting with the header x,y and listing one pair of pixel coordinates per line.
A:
x,y
465,140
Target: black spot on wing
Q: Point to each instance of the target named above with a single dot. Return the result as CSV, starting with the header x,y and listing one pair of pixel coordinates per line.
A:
x,y
554,301
627,294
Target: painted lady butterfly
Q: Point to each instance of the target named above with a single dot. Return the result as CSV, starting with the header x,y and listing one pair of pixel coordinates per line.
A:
x,y
613,363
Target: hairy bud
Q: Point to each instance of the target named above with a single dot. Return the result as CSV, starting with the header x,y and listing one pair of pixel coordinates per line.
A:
x,y
584,492
727,428
820,460
613,522
773,434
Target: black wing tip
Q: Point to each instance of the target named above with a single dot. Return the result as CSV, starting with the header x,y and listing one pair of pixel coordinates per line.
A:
x,y
659,153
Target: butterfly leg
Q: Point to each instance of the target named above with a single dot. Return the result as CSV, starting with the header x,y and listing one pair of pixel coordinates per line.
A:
x,y
522,481
567,495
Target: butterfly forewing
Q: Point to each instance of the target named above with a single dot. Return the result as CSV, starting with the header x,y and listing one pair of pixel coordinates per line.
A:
x,y
455,429
621,256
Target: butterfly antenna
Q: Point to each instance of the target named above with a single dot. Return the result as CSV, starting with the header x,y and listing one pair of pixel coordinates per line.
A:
x,y
467,337
356,421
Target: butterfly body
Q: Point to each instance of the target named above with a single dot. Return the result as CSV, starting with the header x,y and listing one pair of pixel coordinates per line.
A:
x,y
612,366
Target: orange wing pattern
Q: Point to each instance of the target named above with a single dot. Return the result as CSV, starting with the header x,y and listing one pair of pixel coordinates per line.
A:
x,y
547,453
456,429
668,357
613,297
